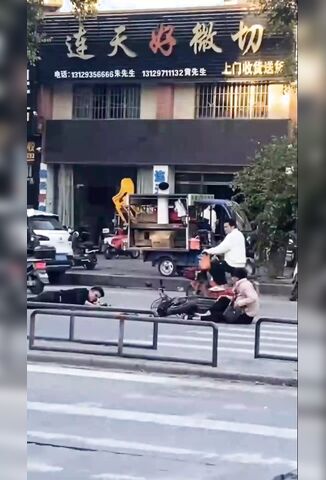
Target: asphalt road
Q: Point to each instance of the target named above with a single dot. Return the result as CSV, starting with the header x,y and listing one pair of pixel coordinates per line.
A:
x,y
105,425
236,343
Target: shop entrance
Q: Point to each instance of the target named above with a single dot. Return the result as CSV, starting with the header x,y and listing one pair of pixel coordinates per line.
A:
x,y
94,187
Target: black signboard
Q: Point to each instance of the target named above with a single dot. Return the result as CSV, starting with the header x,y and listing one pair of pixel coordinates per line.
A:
x,y
158,46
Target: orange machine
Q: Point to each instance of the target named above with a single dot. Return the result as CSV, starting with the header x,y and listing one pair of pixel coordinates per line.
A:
x,y
120,200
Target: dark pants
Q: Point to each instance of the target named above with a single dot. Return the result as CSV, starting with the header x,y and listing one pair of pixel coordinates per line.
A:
x,y
218,270
217,310
47,297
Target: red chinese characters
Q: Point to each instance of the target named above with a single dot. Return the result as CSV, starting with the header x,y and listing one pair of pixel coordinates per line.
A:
x,y
163,40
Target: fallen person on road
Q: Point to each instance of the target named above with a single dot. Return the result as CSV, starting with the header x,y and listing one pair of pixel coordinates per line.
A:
x,y
72,296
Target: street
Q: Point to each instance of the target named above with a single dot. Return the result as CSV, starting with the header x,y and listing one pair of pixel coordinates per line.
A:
x,y
86,424
236,343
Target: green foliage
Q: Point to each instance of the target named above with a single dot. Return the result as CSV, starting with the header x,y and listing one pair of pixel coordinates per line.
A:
x,y
269,186
84,8
34,35
35,16
282,16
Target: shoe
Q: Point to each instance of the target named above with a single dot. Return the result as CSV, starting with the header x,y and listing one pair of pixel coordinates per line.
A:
x,y
217,288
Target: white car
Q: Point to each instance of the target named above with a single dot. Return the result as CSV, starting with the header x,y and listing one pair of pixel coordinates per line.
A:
x,y
51,233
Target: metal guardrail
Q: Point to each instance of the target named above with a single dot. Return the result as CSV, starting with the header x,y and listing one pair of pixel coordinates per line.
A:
x,y
257,339
89,308
121,317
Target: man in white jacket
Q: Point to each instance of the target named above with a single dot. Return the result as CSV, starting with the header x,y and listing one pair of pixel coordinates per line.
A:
x,y
233,247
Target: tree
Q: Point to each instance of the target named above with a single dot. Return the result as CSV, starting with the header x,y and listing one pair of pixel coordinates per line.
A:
x,y
282,17
269,188
35,16
34,35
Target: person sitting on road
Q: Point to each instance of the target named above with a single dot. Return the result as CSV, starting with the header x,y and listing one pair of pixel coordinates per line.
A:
x,y
73,296
233,247
245,297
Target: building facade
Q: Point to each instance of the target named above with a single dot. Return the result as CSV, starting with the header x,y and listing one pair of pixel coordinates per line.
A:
x,y
183,95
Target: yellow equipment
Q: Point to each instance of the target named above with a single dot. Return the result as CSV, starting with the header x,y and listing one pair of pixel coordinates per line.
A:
x,y
120,200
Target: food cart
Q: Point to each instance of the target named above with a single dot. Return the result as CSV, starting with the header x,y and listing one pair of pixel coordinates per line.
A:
x,y
167,229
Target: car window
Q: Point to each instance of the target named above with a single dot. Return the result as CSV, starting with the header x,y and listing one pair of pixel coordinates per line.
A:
x,y
45,223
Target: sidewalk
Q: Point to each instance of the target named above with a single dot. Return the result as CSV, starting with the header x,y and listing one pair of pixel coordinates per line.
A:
x,y
127,273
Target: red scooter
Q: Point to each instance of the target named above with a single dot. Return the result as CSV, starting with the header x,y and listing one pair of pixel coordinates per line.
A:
x,y
116,246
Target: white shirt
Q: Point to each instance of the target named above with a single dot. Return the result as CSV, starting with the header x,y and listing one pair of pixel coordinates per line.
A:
x,y
233,247
210,215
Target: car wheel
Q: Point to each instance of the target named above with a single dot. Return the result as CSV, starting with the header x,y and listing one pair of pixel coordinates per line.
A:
x,y
167,267
135,254
108,254
37,288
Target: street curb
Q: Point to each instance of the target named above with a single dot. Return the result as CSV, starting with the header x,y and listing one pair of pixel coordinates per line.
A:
x,y
153,283
92,361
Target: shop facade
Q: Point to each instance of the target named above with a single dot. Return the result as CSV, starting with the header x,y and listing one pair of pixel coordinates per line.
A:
x,y
184,95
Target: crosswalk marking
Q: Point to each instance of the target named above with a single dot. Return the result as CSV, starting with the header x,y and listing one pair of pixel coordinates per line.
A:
x,y
155,379
224,340
249,335
162,419
38,467
86,441
115,476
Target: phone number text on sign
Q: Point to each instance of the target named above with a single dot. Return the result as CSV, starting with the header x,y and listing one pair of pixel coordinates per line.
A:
x,y
130,73
181,72
95,74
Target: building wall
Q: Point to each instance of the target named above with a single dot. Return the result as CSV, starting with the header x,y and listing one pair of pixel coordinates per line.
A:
x,y
184,102
62,101
148,102
278,102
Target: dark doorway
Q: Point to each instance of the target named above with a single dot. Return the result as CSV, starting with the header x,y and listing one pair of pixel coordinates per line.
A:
x,y
94,188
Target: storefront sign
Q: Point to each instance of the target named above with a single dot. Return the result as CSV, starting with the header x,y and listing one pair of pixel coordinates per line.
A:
x,y
160,175
31,151
203,45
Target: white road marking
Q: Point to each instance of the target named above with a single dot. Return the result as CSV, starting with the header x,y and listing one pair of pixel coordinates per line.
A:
x,y
42,467
157,379
220,349
161,419
241,457
250,335
115,476
288,330
226,341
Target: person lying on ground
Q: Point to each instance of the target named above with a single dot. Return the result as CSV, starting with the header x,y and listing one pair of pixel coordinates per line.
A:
x,y
73,296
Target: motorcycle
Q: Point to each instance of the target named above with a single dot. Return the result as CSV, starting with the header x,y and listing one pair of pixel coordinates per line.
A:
x,y
36,275
117,246
186,307
84,253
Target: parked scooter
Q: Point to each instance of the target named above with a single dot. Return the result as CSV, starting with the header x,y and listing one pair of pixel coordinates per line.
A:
x,y
36,275
117,246
83,250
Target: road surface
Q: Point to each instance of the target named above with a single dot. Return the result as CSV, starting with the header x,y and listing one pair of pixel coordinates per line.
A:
x,y
105,425
236,343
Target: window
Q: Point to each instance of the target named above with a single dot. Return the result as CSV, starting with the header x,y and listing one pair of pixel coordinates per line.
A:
x,y
232,100
103,102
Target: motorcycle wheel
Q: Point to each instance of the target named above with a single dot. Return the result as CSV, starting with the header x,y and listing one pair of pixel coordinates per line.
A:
x,y
108,254
250,267
37,288
135,254
90,265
